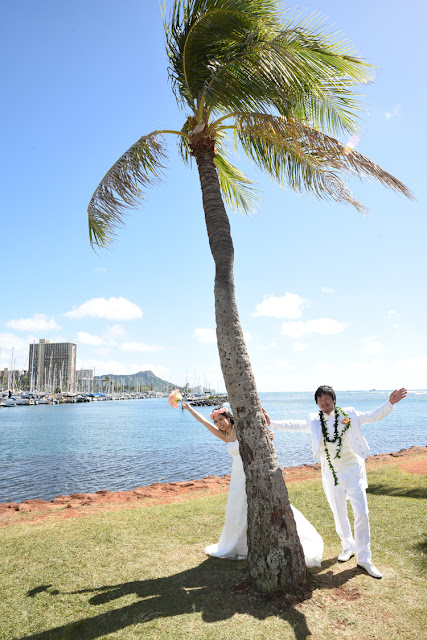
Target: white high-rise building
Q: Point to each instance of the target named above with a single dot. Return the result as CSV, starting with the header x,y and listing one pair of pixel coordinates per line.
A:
x,y
52,365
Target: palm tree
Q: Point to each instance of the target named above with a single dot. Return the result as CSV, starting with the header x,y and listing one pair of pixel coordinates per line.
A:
x,y
277,83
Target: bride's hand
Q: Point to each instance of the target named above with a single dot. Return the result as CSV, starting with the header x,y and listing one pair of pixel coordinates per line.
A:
x,y
267,417
185,405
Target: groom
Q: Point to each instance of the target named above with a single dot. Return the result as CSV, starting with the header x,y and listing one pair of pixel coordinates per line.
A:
x,y
337,439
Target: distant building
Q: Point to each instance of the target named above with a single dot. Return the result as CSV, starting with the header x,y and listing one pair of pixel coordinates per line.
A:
x,y
9,378
52,365
198,389
84,374
84,379
201,389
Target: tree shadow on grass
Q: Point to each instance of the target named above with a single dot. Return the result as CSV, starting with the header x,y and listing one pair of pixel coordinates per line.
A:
x,y
421,547
207,588
323,579
399,492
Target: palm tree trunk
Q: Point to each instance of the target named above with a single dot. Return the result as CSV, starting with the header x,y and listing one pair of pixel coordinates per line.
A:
x,y
275,560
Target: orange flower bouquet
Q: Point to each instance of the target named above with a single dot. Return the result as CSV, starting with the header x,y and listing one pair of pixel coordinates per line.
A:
x,y
174,398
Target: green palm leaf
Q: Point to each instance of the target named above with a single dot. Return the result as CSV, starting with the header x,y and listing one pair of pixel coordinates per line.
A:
x,y
119,189
204,35
244,59
235,186
306,159
234,56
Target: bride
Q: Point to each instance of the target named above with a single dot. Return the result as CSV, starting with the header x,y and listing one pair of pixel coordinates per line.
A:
x,y
232,542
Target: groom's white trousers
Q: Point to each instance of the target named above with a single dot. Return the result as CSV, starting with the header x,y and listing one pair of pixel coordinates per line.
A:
x,y
356,493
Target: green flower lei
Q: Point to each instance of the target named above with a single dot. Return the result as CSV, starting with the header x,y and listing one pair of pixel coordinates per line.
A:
x,y
336,437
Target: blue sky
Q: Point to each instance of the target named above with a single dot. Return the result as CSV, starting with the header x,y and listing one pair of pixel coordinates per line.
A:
x,y
325,295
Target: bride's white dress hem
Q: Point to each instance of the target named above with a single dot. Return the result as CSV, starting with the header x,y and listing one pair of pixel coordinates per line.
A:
x,y
232,542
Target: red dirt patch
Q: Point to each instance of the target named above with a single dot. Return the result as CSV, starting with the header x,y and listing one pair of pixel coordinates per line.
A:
x,y
413,460
414,466
345,593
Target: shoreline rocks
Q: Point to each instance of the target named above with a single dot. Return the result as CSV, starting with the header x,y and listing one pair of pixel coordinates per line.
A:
x,y
169,491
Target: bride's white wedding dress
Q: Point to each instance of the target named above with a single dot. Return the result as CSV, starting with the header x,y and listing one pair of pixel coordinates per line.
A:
x,y
232,542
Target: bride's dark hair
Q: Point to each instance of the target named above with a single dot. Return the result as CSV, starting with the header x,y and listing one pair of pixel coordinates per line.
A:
x,y
226,413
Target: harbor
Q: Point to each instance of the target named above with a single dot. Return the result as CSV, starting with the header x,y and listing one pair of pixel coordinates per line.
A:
x,y
9,399
119,445
52,378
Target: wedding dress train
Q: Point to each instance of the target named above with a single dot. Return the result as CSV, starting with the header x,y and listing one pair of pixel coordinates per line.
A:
x,y
232,542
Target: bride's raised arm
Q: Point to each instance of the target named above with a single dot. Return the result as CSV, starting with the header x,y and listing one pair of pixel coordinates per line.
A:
x,y
209,425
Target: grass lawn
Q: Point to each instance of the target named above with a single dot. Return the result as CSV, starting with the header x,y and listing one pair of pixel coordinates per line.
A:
x,y
142,573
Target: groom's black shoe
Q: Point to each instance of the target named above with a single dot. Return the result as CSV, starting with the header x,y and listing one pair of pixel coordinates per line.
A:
x,y
345,555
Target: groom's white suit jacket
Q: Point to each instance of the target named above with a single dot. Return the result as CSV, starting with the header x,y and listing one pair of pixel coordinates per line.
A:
x,y
355,435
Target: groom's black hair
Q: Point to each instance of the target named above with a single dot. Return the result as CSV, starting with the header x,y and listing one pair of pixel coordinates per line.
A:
x,y
325,390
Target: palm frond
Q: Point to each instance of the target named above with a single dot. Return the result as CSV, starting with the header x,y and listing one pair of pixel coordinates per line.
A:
x,y
306,159
235,186
119,190
204,34
183,141
238,55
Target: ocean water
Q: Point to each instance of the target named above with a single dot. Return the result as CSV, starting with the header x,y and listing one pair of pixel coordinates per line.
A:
x,y
47,450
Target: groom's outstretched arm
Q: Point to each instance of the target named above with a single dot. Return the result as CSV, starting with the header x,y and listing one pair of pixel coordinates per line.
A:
x,y
366,417
302,426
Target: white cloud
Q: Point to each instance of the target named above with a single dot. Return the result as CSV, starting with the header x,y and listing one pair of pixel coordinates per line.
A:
x,y
294,329
89,338
372,345
325,326
116,331
108,339
396,326
141,346
410,373
267,347
102,351
283,364
324,367
392,312
111,309
327,291
300,346
394,113
37,322
103,269
205,336
8,341
20,346
208,336
321,326
288,306
366,366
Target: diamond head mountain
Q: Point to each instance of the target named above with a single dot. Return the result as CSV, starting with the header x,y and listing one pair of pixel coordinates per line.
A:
x,y
141,380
